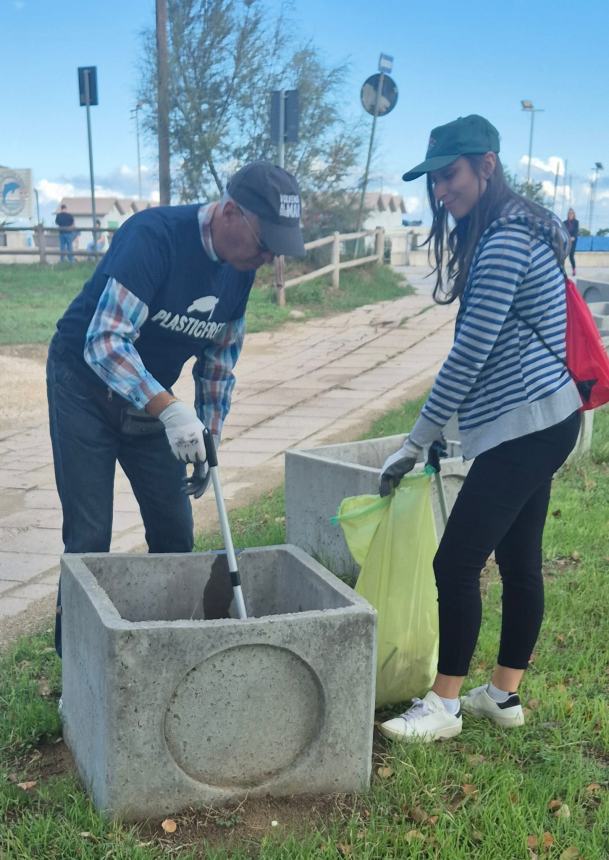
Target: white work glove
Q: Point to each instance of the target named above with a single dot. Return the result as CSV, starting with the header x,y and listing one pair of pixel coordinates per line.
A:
x,y
397,465
184,431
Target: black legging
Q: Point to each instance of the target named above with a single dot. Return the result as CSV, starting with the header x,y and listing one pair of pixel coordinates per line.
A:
x,y
502,506
572,252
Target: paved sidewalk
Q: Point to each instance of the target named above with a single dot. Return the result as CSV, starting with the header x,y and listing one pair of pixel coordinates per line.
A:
x,y
303,385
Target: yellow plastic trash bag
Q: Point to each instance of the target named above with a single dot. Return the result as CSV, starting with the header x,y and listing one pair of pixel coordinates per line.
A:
x,y
394,540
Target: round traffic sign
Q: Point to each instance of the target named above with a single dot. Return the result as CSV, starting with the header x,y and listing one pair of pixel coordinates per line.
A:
x,y
382,102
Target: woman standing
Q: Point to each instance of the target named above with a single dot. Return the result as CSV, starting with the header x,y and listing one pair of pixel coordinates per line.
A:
x,y
501,255
572,226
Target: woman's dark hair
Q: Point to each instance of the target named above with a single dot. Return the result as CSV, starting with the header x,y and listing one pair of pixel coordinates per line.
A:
x,y
462,240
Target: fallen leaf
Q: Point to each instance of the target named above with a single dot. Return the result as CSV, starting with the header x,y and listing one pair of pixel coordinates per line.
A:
x,y
553,805
475,758
28,785
414,834
384,772
547,840
593,788
575,555
343,849
469,789
433,820
169,825
44,688
86,835
532,842
417,814
12,777
533,704
563,812
571,853
557,513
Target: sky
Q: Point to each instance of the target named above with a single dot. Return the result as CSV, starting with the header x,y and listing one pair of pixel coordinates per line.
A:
x,y
450,59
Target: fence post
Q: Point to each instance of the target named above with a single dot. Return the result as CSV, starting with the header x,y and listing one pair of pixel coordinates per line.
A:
x,y
380,244
336,261
280,280
42,243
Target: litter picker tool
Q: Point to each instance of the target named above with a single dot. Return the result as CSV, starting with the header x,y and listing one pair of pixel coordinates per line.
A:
x,y
196,486
437,449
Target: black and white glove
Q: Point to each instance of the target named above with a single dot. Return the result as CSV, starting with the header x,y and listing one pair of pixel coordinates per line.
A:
x,y
184,431
397,465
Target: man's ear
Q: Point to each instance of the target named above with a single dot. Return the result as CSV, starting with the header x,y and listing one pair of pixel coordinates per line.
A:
x,y
489,163
230,210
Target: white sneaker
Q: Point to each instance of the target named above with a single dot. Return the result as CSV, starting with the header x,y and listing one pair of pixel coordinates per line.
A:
x,y
427,720
478,703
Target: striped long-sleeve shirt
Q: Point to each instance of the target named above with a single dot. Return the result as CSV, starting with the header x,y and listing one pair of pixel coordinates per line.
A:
x,y
499,377
110,352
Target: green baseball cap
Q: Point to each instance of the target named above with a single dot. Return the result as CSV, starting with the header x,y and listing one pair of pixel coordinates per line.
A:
x,y
467,135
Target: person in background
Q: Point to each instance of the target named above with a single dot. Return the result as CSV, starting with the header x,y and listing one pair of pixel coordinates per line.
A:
x,y
65,221
101,244
572,226
519,417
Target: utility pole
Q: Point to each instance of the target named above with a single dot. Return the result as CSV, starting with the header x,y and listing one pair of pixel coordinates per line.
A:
x,y
163,102
528,107
597,168
136,113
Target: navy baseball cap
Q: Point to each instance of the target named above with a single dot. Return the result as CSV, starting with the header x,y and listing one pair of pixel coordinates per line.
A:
x,y
467,135
271,193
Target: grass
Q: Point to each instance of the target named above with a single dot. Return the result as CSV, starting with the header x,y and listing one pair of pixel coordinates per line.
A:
x,y
542,791
33,297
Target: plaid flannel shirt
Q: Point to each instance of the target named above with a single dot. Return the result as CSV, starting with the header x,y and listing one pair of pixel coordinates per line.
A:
x,y
110,352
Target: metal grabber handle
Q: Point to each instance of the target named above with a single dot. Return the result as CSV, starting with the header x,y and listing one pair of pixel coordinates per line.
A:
x,y
212,462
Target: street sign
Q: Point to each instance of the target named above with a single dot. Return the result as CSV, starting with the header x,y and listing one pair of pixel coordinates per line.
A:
x,y
290,117
91,73
375,102
385,63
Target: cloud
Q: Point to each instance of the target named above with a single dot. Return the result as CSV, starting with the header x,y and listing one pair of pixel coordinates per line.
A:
x,y
122,181
549,166
414,205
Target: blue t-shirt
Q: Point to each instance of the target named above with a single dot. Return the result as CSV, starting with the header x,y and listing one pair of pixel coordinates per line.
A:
x,y
158,255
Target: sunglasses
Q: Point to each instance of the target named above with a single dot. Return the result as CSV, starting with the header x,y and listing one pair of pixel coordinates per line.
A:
x,y
264,249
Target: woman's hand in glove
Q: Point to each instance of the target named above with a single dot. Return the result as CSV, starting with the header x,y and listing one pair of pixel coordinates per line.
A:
x,y
397,465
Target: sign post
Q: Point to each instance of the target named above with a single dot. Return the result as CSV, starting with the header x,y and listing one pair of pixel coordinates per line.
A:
x,y
284,129
379,96
87,90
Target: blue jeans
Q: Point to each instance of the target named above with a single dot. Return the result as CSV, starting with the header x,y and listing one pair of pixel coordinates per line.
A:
x,y
65,247
89,435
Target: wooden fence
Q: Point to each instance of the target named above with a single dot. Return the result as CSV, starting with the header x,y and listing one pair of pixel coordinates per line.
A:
x,y
337,265
46,246
46,242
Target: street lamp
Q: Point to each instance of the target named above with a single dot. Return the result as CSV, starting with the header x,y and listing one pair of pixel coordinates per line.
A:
x,y
597,168
135,113
528,106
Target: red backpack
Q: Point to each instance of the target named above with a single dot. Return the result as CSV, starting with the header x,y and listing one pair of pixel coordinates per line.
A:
x,y
587,359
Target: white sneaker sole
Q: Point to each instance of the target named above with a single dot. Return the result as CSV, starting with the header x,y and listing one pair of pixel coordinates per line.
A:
x,y
438,735
503,720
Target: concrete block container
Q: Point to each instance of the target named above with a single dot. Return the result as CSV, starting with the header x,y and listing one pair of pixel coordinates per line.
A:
x,y
318,479
170,703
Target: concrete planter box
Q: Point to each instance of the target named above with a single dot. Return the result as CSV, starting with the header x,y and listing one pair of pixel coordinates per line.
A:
x,y
163,711
318,479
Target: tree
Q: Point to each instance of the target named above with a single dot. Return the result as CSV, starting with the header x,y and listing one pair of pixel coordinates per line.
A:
x,y
225,57
532,190
604,231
